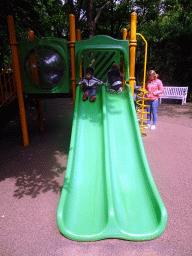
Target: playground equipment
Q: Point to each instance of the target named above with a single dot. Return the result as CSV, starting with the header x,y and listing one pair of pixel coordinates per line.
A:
x,y
8,95
56,79
52,77
141,96
18,78
109,191
45,66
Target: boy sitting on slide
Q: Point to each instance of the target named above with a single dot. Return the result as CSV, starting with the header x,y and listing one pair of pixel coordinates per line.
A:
x,y
88,84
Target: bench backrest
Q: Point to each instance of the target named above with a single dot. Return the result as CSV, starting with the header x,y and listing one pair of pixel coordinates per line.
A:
x,y
170,91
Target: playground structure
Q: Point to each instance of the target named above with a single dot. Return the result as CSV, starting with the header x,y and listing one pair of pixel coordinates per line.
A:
x,y
108,191
8,94
31,85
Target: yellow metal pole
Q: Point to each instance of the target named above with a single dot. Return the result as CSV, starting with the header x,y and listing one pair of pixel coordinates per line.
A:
x,y
124,34
123,68
31,35
78,33
143,91
145,61
132,50
36,79
72,46
33,69
18,79
40,115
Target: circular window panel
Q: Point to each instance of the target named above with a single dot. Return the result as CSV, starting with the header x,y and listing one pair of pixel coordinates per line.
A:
x,y
46,68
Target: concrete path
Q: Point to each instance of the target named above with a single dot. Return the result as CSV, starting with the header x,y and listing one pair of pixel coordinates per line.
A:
x,y
31,179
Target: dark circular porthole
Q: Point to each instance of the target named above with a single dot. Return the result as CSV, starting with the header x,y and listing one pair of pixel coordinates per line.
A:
x,y
46,68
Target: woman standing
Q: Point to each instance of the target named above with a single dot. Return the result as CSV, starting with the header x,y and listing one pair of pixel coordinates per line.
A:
x,y
155,87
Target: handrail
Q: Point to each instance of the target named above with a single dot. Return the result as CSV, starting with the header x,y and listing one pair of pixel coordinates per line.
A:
x,y
145,61
141,102
5,69
8,88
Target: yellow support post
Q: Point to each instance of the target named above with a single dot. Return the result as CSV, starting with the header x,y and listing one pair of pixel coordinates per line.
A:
x,y
78,33
132,50
31,35
18,79
72,46
36,79
123,68
124,34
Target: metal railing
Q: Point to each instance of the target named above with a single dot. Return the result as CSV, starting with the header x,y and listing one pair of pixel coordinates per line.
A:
x,y
141,102
8,90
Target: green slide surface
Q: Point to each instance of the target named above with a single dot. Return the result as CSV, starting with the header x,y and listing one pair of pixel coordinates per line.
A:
x,y
109,191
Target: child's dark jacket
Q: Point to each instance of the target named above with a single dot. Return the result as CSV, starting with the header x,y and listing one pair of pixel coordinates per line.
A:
x,y
114,75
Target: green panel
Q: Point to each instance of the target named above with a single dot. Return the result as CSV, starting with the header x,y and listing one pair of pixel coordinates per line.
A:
x,y
101,61
45,65
109,191
104,49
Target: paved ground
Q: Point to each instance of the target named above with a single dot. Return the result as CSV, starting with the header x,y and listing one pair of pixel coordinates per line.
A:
x,y
31,179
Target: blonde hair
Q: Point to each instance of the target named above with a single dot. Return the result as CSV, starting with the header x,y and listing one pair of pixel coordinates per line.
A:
x,y
152,73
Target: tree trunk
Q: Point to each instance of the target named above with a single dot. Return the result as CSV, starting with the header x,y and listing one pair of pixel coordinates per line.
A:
x,y
91,23
89,15
76,12
112,18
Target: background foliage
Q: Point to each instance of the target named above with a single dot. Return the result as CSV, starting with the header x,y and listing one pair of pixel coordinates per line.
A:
x,y
165,24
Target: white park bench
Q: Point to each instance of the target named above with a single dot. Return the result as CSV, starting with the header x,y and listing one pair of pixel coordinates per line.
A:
x,y
174,93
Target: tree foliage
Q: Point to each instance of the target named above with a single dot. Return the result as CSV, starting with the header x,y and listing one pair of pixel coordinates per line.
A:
x,y
45,18
87,14
169,37
165,24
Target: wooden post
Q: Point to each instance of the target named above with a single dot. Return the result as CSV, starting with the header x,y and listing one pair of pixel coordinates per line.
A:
x,y
78,34
18,79
132,50
123,68
72,46
36,78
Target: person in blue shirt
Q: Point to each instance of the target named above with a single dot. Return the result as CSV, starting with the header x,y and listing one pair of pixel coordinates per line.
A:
x,y
88,84
114,78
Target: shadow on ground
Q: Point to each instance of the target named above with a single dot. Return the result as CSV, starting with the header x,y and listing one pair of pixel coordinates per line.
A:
x,y
36,168
174,108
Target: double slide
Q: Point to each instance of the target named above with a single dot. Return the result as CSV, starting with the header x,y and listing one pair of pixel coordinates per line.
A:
x,y
109,191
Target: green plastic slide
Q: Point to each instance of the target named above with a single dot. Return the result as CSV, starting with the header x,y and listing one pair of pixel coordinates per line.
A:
x,y
109,191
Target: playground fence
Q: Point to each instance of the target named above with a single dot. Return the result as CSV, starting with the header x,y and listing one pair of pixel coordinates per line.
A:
x,y
8,90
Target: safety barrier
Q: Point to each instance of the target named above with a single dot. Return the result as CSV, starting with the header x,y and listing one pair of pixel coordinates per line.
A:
x,y
141,102
8,90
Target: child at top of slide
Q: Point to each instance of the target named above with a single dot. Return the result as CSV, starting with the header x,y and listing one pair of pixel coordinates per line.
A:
x,y
114,77
89,85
